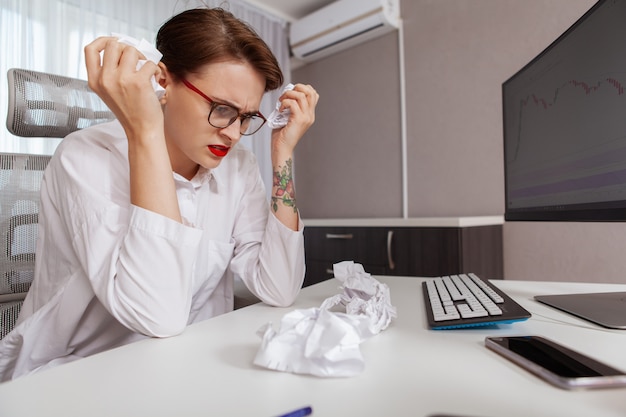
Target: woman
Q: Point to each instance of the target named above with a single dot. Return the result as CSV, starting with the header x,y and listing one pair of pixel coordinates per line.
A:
x,y
146,220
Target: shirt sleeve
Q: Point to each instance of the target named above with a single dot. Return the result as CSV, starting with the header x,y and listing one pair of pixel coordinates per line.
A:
x,y
139,263
141,273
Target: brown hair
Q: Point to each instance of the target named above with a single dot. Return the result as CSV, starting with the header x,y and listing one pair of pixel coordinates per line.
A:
x,y
201,36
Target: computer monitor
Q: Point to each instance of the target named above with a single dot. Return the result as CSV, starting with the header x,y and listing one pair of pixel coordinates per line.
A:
x,y
564,117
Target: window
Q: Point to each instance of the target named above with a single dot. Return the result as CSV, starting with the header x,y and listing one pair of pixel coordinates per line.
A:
x,y
49,36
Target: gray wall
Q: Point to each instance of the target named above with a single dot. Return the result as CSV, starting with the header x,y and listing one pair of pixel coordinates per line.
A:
x,y
458,53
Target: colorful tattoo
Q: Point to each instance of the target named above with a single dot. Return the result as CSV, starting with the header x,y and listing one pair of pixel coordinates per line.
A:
x,y
283,187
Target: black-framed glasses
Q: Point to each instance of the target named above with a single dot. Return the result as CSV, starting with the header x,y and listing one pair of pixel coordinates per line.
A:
x,y
223,115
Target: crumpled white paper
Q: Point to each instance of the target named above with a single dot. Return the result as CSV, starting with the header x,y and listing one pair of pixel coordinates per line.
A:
x,y
149,51
325,343
277,118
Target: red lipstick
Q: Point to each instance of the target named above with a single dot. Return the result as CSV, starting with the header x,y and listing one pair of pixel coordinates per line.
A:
x,y
219,150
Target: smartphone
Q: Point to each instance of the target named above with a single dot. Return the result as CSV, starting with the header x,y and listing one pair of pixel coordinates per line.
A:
x,y
556,363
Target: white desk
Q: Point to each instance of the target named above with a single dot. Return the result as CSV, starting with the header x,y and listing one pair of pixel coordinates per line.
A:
x,y
410,370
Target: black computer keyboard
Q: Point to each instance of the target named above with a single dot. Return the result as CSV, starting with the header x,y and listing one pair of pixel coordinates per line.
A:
x,y
465,300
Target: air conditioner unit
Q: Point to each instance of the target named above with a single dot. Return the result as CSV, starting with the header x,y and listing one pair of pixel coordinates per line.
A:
x,y
341,25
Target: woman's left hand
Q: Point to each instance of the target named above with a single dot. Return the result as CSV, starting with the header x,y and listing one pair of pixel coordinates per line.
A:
x,y
301,102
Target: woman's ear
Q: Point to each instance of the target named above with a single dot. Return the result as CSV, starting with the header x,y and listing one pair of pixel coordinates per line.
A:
x,y
164,79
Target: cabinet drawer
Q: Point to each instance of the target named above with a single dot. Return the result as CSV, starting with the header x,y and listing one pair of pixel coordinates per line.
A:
x,y
373,246
339,244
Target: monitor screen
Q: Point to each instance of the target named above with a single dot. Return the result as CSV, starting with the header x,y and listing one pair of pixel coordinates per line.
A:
x,y
565,124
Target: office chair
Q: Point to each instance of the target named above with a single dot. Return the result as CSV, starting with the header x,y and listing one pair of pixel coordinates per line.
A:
x,y
45,106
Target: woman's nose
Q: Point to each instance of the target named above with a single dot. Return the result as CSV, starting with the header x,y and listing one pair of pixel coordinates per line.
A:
x,y
233,131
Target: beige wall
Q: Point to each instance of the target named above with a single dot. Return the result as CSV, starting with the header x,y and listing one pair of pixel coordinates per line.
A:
x,y
349,164
565,251
458,53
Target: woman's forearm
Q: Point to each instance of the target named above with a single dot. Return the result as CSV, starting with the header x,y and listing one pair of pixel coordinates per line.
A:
x,y
283,198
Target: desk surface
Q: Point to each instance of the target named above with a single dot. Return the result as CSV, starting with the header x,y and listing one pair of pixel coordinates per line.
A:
x,y
410,370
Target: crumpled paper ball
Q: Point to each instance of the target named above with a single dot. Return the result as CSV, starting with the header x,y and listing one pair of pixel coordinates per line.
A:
x,y
279,118
326,343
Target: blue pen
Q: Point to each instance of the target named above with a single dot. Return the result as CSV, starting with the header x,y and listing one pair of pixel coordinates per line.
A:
x,y
301,412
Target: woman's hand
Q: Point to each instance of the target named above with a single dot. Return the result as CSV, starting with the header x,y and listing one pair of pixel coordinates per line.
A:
x,y
301,102
128,92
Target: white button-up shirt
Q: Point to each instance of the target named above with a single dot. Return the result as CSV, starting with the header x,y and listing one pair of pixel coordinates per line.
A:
x,y
109,273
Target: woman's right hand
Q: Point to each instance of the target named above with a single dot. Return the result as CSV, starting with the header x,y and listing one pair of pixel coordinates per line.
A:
x,y
128,92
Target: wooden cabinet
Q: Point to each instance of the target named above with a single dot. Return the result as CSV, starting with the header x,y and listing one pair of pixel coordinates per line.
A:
x,y
413,251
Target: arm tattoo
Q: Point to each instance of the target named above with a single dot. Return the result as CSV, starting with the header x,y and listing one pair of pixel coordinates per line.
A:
x,y
283,189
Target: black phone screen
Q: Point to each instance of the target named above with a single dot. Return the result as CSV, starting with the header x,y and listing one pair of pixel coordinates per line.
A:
x,y
557,359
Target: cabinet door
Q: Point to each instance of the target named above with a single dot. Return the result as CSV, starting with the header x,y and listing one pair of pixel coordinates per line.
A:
x,y
482,251
325,246
395,244
446,251
435,251
317,271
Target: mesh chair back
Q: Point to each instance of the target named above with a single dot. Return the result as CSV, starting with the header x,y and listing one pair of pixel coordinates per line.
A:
x,y
47,105
40,105
9,313
20,180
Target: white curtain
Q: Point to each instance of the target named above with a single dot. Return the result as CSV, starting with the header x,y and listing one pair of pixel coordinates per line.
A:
x,y
49,36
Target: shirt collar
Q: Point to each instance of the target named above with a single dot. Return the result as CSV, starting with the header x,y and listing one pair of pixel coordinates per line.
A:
x,y
203,176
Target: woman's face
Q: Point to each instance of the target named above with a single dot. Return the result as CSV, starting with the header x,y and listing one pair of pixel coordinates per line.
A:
x,y
191,140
